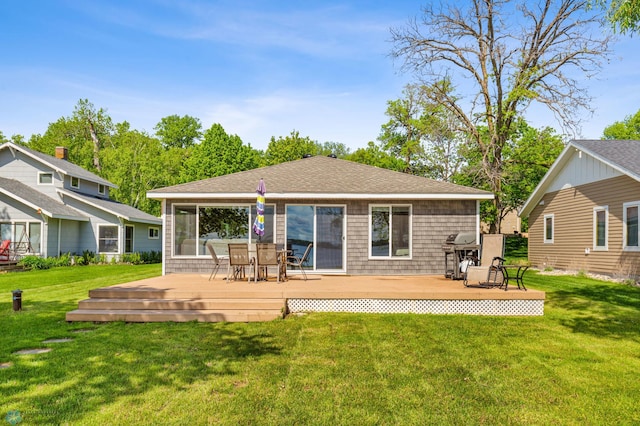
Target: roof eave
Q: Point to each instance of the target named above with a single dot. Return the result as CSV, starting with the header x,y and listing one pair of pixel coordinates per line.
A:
x,y
319,196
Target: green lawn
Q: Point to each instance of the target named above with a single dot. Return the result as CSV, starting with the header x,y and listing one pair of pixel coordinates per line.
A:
x,y
579,364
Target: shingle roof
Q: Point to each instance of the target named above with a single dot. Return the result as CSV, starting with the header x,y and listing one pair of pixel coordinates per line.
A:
x,y
623,153
64,166
38,200
321,177
122,210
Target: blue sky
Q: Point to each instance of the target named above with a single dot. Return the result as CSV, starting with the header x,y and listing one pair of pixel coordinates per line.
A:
x,y
259,68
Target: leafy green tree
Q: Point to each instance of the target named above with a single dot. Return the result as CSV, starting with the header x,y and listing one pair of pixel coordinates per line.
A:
x,y
623,15
338,149
179,132
527,157
629,128
218,154
502,56
134,162
374,155
84,134
289,148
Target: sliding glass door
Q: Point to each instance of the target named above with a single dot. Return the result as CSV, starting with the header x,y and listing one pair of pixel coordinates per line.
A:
x,y
324,227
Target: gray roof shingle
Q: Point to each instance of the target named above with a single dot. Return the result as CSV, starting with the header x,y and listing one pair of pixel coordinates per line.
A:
x,y
114,207
48,205
65,166
321,175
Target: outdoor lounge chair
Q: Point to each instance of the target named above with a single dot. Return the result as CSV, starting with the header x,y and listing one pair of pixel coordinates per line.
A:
x,y
216,261
298,262
4,250
488,273
238,260
267,255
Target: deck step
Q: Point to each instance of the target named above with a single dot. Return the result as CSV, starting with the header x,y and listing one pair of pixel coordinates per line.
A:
x,y
181,304
174,315
214,293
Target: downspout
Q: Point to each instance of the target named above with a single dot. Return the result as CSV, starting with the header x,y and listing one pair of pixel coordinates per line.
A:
x,y
59,232
478,221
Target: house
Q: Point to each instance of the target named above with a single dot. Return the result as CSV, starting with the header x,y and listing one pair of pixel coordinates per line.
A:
x,y
361,220
50,206
583,215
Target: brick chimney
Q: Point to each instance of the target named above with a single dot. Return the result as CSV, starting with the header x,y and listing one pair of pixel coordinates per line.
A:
x,y
62,153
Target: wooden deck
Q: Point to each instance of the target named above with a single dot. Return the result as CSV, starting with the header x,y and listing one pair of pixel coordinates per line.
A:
x,y
191,297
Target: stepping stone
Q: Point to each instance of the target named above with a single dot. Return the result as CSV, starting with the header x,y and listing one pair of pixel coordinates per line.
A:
x,y
66,339
4,365
33,351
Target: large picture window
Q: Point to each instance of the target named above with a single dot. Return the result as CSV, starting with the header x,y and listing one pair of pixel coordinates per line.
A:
x,y
390,231
196,225
108,239
600,228
630,225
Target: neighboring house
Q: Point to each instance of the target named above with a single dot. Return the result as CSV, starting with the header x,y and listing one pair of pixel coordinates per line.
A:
x,y
584,213
361,219
49,206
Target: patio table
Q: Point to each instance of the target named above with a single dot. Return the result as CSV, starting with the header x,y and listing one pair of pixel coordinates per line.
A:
x,y
516,274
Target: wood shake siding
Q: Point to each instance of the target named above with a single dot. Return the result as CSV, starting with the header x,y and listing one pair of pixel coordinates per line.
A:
x,y
432,222
573,212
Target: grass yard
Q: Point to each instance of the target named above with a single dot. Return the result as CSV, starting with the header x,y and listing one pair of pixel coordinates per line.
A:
x,y
579,364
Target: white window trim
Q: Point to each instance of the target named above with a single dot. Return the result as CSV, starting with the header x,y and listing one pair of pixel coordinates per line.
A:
x,y
103,187
155,235
71,182
119,239
390,256
553,228
40,174
625,206
596,210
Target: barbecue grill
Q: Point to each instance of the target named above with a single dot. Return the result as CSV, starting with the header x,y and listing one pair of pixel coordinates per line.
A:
x,y
457,248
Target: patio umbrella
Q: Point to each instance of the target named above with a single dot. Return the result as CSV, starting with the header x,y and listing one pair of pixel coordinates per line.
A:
x,y
258,223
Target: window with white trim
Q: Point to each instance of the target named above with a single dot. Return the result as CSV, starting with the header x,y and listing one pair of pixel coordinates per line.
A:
x,y
630,226
108,239
101,189
45,178
129,232
390,231
548,228
75,182
154,233
601,228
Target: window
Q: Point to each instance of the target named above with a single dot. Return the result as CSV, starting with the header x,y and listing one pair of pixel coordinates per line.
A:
x,y
107,238
390,231
45,178
630,226
154,233
548,228
128,238
25,236
600,228
75,182
101,189
195,225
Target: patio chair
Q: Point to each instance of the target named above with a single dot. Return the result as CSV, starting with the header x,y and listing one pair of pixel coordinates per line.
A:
x,y
488,273
267,255
238,260
216,261
298,262
4,250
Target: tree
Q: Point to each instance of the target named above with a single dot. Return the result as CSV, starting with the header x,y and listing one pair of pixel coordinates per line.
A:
x,y
289,148
338,149
503,56
373,155
527,157
623,15
629,128
218,154
134,162
179,132
83,134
